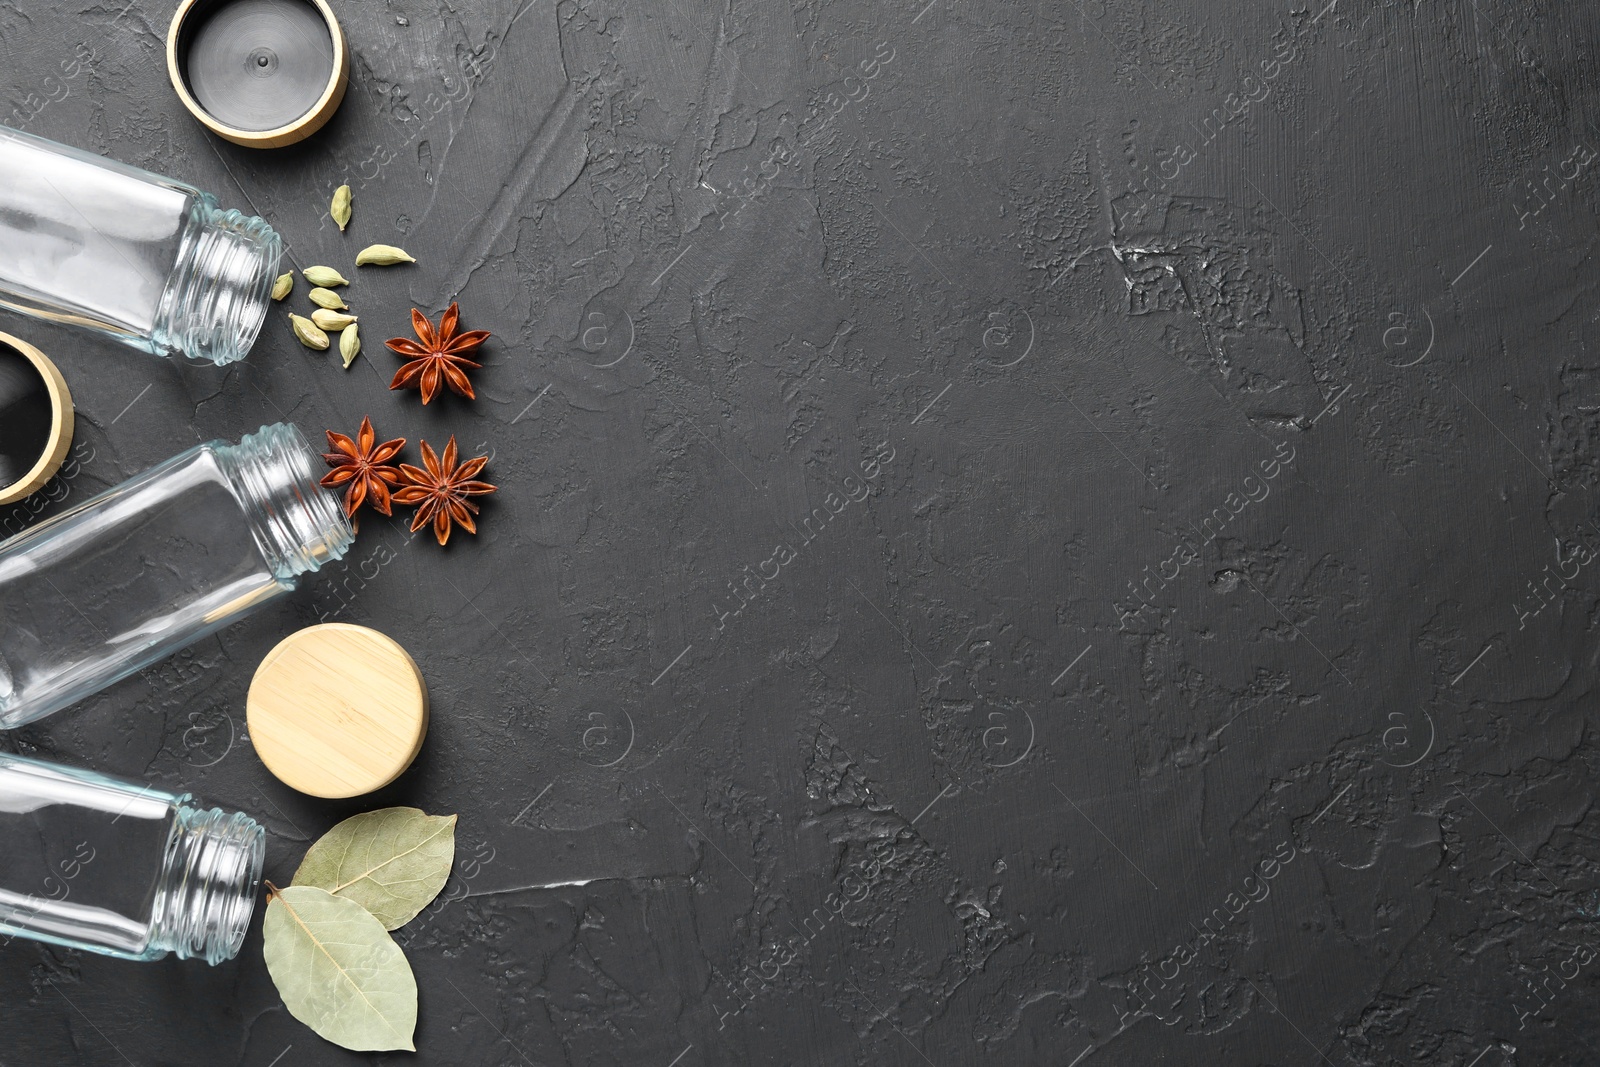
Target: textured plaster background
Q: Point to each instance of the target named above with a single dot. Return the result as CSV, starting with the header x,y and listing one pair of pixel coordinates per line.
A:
x,y
1029,533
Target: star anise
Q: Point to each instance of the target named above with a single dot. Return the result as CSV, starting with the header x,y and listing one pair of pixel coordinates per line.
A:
x,y
362,466
437,356
442,490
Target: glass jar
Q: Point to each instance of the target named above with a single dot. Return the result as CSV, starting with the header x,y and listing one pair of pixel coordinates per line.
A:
x,y
158,562
121,869
147,260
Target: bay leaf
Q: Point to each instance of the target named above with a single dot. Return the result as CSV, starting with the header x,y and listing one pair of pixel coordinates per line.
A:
x,y
338,970
392,861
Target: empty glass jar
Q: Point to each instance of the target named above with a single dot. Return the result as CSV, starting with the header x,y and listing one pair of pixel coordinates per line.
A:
x,y
121,869
150,261
163,559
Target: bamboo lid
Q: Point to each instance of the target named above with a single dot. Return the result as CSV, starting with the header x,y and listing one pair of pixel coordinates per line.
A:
x,y
36,419
259,73
337,710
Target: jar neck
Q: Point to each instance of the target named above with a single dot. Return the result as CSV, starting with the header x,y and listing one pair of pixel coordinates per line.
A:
x,y
298,524
221,285
207,888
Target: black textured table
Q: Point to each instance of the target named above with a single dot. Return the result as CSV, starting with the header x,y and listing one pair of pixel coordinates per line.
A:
x,y
1029,533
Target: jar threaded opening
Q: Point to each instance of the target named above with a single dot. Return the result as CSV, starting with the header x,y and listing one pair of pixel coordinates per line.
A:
x,y
208,885
299,524
221,289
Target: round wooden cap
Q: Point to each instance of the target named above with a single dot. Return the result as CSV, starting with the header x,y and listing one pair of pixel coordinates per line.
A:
x,y
57,439
337,710
323,100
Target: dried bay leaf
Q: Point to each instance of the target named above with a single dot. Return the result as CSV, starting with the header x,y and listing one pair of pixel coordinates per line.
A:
x,y
392,861
338,970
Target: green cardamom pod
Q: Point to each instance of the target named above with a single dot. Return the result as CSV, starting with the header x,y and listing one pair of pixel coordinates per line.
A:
x,y
330,320
324,277
282,286
327,298
307,333
382,256
341,207
350,344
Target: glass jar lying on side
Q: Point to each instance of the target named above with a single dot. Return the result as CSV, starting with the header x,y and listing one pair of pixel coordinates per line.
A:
x,y
167,557
121,869
150,261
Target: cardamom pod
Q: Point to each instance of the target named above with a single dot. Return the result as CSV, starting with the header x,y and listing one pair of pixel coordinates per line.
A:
x,y
330,320
350,344
307,333
382,256
341,207
327,298
324,277
282,286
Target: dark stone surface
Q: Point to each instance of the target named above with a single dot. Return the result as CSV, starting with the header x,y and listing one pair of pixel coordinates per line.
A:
x,y
1070,278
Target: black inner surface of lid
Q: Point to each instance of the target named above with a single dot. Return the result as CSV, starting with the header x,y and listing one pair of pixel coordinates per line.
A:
x,y
256,65
26,415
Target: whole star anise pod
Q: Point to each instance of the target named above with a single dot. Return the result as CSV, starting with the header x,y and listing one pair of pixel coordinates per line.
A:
x,y
362,467
437,356
441,491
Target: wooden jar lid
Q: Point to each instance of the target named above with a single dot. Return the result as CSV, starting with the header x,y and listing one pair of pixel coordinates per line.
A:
x,y
337,710
188,25
57,438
